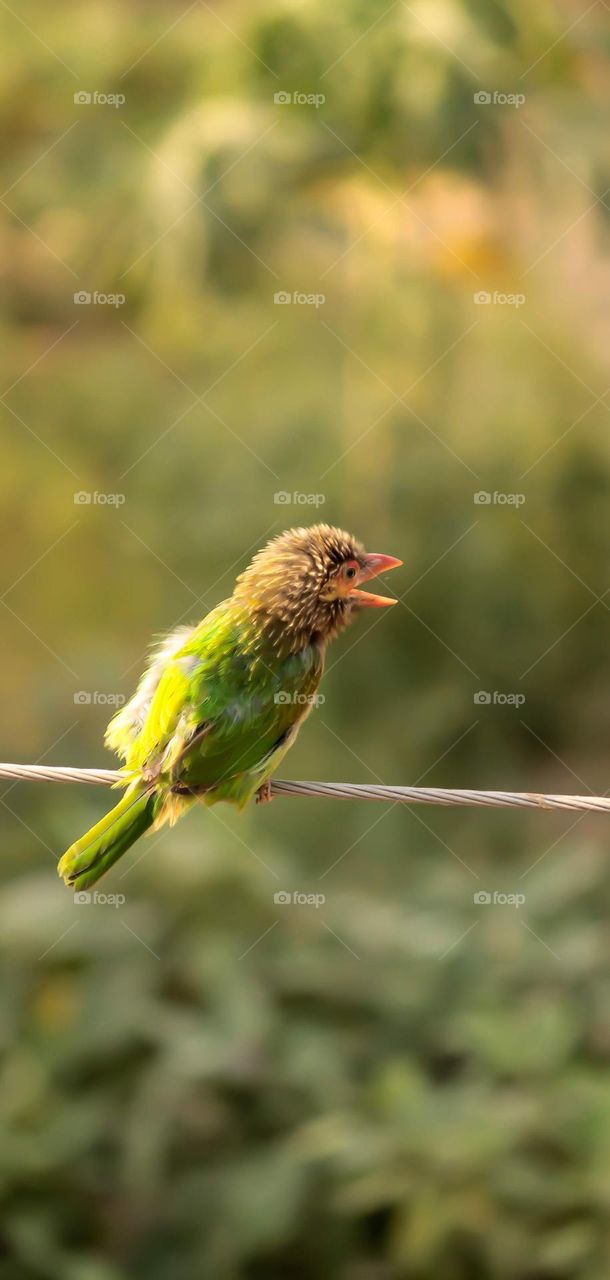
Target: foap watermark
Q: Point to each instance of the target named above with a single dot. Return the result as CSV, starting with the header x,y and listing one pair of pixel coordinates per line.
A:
x,y
86,499
97,698
82,898
284,299
294,898
496,499
296,98
297,499
495,698
83,298
299,699
496,98
482,898
84,98
484,298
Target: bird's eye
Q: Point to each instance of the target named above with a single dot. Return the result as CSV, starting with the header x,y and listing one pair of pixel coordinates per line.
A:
x,y
350,572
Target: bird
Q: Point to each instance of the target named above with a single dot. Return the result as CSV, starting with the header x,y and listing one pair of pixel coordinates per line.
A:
x,y
221,703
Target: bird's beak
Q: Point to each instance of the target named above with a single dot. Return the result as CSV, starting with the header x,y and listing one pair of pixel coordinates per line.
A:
x,y
373,565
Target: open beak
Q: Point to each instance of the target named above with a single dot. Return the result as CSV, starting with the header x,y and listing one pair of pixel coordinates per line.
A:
x,y
373,566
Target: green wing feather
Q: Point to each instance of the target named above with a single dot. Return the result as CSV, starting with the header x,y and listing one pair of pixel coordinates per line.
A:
x,y
217,712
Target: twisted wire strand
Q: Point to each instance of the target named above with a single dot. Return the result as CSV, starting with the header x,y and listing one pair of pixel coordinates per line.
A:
x,y
339,790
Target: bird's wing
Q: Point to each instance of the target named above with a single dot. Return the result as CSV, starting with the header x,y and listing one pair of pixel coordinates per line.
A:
x,y
208,720
238,738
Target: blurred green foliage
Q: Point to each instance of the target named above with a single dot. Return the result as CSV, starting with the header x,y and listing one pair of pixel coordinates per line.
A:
x,y
402,1082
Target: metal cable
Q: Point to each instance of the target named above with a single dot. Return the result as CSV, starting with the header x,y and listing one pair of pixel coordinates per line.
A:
x,y
340,790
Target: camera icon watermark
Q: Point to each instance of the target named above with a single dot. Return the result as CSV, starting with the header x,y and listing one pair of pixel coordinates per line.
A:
x,y
484,298
82,98
282,298
83,298
284,499
483,98
484,499
482,898
97,698
295,98
286,898
284,697
83,898
86,499
495,698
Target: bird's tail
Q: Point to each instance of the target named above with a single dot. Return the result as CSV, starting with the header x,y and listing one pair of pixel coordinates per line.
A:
x,y
88,858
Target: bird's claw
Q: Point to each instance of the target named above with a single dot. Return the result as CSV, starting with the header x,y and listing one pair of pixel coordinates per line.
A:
x,y
263,795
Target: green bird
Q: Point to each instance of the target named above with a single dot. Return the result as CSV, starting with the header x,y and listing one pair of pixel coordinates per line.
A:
x,y
221,703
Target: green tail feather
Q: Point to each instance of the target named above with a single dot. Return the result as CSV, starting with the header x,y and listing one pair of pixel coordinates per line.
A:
x,y
88,858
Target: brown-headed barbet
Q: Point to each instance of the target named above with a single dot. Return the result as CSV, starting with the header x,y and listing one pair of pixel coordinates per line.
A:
x,y
221,703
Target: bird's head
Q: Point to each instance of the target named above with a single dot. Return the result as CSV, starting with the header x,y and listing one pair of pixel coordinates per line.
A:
x,y
305,585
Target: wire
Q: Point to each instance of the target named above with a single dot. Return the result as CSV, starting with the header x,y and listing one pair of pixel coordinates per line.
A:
x,y
339,790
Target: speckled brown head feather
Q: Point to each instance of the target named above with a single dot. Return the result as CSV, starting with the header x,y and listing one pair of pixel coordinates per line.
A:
x,y
301,587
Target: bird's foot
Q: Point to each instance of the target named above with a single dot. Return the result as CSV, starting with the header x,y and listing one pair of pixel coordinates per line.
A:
x,y
263,795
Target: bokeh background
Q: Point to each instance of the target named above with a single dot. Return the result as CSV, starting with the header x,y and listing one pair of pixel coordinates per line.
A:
x,y
402,1082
